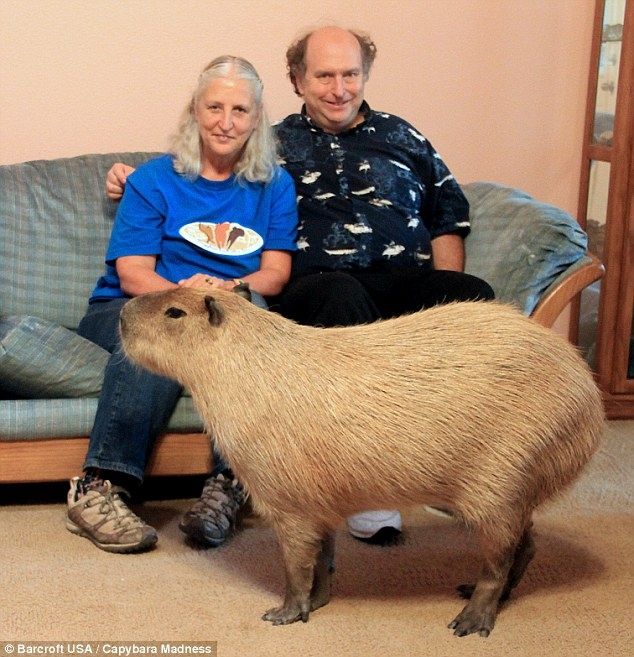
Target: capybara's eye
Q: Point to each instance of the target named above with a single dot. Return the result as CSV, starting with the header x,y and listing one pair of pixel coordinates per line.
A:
x,y
175,313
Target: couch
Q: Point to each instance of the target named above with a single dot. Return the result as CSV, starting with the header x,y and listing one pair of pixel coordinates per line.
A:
x,y
55,222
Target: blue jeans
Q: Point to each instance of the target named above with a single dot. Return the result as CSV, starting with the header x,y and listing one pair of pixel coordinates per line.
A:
x,y
134,406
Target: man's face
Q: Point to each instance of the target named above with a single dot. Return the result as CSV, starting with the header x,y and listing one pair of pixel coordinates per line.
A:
x,y
333,84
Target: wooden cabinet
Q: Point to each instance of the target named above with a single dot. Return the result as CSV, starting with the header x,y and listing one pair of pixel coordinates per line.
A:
x,y
606,206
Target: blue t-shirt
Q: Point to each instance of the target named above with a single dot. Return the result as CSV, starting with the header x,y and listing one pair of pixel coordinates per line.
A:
x,y
218,228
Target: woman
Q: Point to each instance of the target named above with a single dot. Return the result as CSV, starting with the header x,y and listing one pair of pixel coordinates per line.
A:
x,y
213,212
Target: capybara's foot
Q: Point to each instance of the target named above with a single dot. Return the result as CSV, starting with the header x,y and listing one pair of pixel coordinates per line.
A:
x,y
286,614
472,621
466,591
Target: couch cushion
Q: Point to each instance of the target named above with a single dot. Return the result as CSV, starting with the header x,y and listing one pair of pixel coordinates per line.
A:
x,y
517,244
55,223
39,419
39,359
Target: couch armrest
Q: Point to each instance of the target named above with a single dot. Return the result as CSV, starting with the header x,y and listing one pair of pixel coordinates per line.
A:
x,y
564,289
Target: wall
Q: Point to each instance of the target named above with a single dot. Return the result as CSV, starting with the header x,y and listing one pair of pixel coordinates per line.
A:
x,y
498,86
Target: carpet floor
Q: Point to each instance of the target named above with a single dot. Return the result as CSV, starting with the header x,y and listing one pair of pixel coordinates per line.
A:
x,y
576,598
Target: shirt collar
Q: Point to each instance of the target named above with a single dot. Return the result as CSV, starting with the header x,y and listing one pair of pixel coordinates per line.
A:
x,y
365,109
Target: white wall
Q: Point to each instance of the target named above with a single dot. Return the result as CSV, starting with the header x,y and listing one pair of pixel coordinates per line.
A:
x,y
498,86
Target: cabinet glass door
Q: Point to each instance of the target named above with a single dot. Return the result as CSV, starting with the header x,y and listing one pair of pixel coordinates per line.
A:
x,y
606,207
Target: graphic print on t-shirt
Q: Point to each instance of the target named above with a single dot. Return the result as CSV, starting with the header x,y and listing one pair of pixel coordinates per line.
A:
x,y
227,238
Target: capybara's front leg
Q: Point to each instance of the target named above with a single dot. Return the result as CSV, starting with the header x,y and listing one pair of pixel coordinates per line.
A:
x,y
479,614
300,543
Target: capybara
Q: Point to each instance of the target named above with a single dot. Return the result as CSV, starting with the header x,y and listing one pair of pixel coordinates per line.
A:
x,y
471,407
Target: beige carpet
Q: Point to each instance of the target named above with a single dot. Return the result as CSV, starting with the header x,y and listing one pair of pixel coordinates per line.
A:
x,y
576,598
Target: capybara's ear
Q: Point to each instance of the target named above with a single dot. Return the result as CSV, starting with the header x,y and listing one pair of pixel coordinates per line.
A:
x,y
214,311
243,290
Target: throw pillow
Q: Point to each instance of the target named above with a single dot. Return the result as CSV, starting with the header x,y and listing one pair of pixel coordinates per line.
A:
x,y
40,359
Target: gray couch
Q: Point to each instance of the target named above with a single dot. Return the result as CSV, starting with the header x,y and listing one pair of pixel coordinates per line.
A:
x,y
55,222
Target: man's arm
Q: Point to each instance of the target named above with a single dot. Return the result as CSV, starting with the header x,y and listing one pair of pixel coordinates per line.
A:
x,y
448,252
116,179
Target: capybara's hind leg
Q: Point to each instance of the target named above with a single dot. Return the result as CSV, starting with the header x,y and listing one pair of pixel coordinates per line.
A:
x,y
479,614
325,566
523,556
300,543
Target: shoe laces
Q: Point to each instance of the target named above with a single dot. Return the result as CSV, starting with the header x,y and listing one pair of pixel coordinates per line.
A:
x,y
221,494
111,506
90,481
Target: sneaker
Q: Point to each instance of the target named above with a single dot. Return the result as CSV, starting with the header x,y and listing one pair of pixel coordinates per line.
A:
x,y
99,514
213,517
376,527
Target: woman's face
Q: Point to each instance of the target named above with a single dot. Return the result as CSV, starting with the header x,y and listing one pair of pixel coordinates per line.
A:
x,y
226,114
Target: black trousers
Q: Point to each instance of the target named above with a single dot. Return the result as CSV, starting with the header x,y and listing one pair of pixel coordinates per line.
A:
x,y
345,298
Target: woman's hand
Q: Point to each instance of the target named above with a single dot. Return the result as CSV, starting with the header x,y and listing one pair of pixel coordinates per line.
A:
x,y
269,280
206,282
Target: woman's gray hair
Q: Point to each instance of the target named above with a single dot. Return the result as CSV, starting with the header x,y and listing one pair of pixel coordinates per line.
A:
x,y
258,160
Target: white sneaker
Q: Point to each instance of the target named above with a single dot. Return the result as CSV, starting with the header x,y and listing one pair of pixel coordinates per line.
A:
x,y
367,524
438,511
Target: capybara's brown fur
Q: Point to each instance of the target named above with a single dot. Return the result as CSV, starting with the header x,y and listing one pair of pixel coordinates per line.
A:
x,y
470,406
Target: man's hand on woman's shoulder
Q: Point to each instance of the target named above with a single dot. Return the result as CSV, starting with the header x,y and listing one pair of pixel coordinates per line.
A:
x,y
116,179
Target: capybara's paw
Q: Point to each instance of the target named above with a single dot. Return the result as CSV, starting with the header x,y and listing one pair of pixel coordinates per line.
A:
x,y
285,615
470,621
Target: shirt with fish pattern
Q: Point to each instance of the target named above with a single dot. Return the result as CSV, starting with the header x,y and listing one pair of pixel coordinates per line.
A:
x,y
374,195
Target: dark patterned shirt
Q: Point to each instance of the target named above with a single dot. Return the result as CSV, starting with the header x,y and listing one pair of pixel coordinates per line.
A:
x,y
373,195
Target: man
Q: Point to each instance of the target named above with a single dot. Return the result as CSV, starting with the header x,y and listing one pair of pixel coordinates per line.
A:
x,y
382,220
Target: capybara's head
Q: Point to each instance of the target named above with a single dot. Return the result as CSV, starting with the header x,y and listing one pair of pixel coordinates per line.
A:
x,y
162,330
